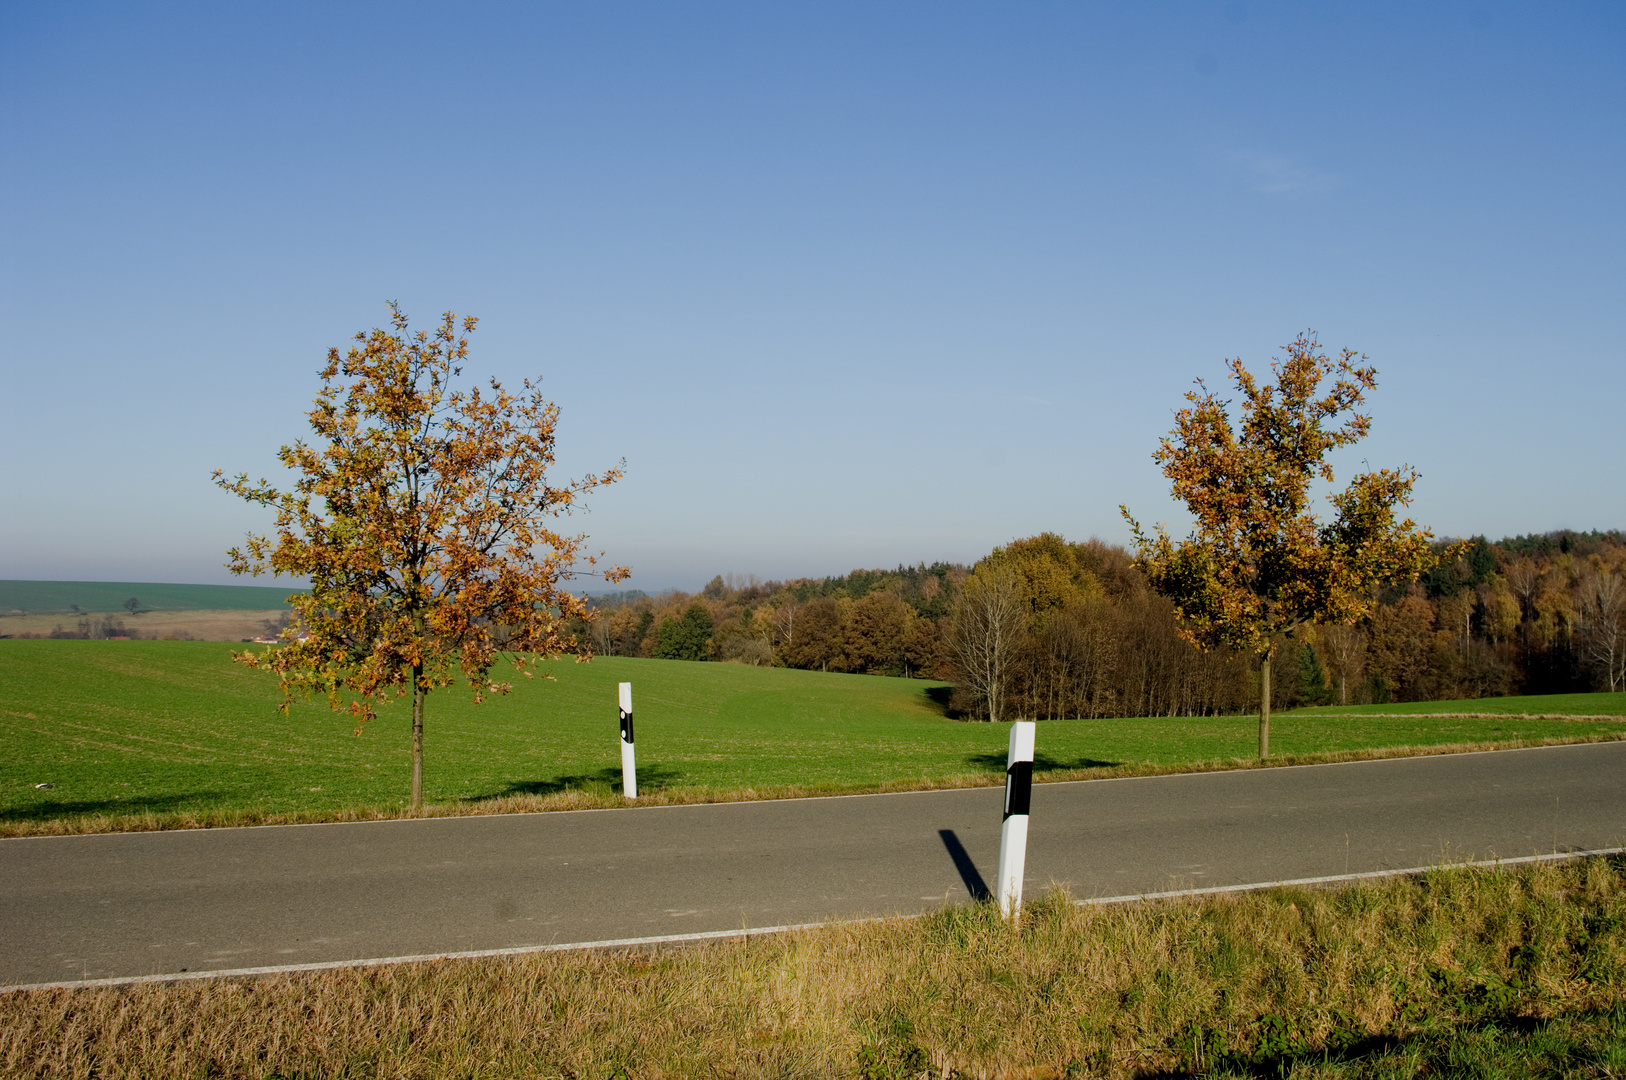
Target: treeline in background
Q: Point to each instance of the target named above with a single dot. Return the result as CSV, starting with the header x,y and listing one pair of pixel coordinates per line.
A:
x,y
1047,628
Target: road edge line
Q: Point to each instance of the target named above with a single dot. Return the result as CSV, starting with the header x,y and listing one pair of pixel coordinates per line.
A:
x,y
1367,875
756,931
474,954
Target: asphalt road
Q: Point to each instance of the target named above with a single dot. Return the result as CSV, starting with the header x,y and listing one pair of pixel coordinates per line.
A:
x,y
88,907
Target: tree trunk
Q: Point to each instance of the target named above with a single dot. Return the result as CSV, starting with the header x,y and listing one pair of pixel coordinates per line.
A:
x,y
1264,707
417,737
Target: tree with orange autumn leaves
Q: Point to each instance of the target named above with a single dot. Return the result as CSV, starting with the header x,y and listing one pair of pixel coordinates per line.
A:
x,y
1258,563
423,518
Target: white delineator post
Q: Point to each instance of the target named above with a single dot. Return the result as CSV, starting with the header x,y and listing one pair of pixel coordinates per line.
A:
x,y
1013,835
629,761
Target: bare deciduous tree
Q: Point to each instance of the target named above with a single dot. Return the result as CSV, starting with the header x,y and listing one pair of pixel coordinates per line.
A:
x,y
1603,622
603,634
1524,578
1346,648
784,627
989,621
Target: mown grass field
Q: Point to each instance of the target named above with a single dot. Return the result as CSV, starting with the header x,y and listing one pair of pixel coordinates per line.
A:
x,y
1599,705
1463,972
133,728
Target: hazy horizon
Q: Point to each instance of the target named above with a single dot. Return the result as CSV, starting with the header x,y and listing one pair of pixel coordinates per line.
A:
x,y
846,285
585,585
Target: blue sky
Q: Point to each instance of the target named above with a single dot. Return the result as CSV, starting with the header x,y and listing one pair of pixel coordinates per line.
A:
x,y
846,284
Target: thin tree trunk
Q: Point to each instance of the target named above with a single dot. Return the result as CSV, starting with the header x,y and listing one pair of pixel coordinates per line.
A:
x,y
1264,707
417,737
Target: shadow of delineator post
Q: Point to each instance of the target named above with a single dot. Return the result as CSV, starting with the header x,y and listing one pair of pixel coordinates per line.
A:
x,y
974,884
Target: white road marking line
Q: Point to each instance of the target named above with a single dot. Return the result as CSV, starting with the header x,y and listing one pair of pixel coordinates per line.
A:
x,y
1410,871
333,965
723,935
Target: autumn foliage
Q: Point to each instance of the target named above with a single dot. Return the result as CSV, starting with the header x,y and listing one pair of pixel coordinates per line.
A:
x,y
1539,614
1259,563
424,519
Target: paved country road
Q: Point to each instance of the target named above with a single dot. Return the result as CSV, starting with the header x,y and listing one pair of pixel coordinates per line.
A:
x,y
132,904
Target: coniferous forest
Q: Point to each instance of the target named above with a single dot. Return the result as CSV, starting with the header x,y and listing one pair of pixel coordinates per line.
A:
x,y
1081,634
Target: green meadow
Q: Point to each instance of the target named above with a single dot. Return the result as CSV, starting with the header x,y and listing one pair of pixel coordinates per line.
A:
x,y
64,597
1599,705
129,728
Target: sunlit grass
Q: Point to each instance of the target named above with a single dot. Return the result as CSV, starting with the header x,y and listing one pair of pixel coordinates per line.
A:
x,y
156,734
1600,705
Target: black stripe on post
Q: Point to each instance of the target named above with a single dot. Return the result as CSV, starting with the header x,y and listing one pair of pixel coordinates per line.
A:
x,y
1018,787
629,763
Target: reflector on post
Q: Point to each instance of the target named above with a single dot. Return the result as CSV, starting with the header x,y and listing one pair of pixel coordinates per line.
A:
x,y
629,761
1013,834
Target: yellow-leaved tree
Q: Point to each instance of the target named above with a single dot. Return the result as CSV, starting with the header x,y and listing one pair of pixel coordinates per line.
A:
x,y
1259,563
424,519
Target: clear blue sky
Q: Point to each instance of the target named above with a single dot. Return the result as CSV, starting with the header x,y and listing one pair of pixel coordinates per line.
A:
x,y
846,284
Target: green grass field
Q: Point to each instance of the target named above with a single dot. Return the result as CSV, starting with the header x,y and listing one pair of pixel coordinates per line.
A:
x,y
1546,704
138,727
58,597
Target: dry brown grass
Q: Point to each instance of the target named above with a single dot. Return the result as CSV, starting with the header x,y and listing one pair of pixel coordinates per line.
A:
x,y
588,800
1077,991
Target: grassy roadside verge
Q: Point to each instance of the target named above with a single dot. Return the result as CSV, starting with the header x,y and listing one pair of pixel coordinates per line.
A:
x,y
599,794
1463,971
131,735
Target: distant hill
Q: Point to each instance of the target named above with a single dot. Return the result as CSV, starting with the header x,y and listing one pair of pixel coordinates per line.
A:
x,y
60,597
